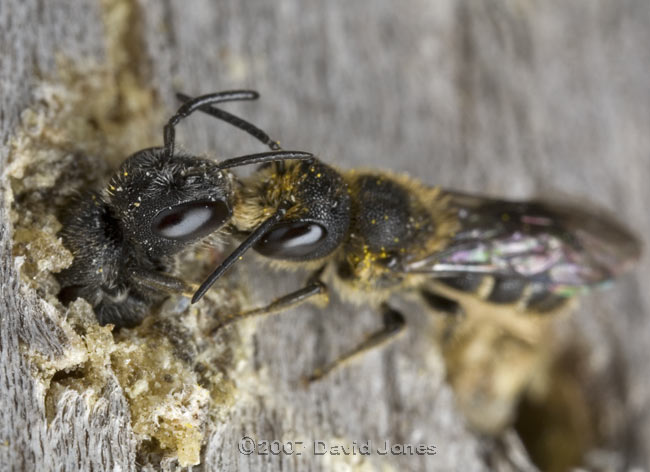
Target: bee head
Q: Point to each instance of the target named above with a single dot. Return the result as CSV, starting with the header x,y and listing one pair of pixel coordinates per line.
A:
x,y
318,214
165,203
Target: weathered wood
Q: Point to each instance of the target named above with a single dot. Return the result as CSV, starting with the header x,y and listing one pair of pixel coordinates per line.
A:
x,y
511,98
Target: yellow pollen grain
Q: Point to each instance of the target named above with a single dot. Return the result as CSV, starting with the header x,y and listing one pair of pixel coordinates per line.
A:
x,y
385,217
111,187
318,175
373,221
125,173
396,240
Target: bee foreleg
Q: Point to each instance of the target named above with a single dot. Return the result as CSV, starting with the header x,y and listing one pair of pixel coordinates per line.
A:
x,y
394,324
313,289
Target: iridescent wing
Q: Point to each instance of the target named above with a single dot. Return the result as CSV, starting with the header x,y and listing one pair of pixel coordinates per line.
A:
x,y
560,247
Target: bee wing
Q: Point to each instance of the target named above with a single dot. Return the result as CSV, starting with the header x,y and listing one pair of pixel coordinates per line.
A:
x,y
553,244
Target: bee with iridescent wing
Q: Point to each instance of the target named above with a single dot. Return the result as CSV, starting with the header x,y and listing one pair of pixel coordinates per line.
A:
x,y
539,252
509,268
495,268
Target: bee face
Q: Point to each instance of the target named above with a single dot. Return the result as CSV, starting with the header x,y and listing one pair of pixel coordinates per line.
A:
x,y
318,210
163,204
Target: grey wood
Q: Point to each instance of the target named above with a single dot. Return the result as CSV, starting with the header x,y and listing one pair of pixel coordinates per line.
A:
x,y
511,98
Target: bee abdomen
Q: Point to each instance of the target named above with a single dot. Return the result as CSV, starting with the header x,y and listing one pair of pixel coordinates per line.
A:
x,y
464,283
545,301
507,290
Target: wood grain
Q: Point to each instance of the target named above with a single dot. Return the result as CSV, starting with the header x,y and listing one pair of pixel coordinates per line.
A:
x,y
512,98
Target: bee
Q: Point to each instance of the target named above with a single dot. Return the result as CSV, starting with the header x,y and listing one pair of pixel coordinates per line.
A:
x,y
124,236
497,269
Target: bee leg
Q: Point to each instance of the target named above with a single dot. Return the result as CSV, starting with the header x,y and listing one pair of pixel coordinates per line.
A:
x,y
394,323
452,310
163,282
313,288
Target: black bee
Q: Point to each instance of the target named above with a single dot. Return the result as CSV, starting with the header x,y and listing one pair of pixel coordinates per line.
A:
x,y
502,266
158,202
383,233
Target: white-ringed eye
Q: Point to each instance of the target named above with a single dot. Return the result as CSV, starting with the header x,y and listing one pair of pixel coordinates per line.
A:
x,y
190,220
292,240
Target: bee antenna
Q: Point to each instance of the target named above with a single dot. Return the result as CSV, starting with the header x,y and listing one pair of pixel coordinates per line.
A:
x,y
264,157
237,253
190,106
237,122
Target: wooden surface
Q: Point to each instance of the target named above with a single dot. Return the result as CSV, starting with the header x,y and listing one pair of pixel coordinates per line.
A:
x,y
512,98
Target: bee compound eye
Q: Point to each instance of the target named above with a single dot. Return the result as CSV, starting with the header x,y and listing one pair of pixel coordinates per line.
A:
x,y
292,240
191,220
